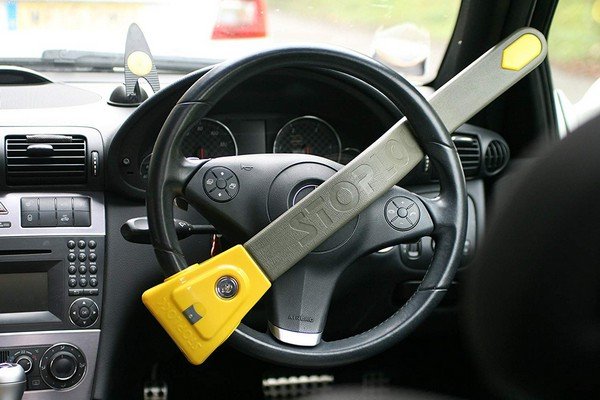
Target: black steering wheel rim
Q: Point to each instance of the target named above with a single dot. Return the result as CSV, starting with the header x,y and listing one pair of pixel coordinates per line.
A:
x,y
169,172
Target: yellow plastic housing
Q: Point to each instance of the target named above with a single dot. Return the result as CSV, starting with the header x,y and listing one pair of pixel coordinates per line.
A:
x,y
521,52
216,318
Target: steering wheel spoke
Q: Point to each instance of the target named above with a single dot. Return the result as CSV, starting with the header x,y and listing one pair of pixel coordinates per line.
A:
x,y
399,216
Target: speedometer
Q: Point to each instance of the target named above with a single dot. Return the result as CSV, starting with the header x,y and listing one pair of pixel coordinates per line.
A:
x,y
308,135
209,138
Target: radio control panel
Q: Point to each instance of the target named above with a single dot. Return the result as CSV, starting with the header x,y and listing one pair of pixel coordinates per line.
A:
x,y
51,282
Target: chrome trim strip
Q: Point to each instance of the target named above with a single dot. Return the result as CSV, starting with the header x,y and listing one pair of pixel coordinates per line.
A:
x,y
295,338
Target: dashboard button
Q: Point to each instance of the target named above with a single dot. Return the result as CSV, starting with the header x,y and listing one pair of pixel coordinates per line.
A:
x,y
72,282
83,282
82,257
64,204
71,244
29,219
92,244
81,204
81,218
34,383
29,204
84,312
47,203
65,218
48,218
75,292
82,269
81,244
71,257
93,269
93,282
93,257
72,269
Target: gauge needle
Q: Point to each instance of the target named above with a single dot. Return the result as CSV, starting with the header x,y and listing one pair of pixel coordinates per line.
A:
x,y
307,150
201,153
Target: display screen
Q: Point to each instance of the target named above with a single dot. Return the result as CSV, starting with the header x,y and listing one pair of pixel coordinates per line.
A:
x,y
23,292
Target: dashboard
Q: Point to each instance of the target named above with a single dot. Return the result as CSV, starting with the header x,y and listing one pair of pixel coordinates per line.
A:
x,y
94,277
280,112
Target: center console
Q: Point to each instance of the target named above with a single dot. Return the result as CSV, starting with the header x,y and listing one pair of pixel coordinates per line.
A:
x,y
52,250
51,286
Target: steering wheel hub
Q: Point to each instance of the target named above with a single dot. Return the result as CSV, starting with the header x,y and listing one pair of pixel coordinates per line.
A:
x,y
297,181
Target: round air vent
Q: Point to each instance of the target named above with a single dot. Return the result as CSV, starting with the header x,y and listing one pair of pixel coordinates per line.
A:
x,y
496,156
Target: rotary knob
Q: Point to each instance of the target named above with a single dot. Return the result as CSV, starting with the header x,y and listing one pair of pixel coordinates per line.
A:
x,y
25,362
62,366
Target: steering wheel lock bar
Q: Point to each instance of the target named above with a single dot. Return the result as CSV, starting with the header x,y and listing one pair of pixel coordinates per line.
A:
x,y
201,306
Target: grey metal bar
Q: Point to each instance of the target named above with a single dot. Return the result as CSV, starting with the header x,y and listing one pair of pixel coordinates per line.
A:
x,y
306,225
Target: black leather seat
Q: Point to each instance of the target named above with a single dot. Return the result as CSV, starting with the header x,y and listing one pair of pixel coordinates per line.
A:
x,y
533,298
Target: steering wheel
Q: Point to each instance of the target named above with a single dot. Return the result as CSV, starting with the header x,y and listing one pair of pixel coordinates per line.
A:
x,y
241,195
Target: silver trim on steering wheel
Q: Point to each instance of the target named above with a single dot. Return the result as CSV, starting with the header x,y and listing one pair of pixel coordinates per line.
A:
x,y
295,338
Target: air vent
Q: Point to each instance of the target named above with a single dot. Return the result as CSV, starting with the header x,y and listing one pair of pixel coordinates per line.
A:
x,y
3,356
469,153
496,156
38,160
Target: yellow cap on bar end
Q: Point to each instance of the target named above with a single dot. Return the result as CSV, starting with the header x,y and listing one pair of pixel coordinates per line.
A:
x,y
521,52
191,309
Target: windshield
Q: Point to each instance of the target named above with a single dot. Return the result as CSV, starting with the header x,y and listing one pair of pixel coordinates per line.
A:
x,y
409,35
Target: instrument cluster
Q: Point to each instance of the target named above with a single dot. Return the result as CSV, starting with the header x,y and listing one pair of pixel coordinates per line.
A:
x,y
308,134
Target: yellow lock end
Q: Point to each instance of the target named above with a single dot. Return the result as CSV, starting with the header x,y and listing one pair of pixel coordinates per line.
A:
x,y
521,52
191,305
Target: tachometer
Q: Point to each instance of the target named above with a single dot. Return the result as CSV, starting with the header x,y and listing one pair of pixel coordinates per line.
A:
x,y
209,138
308,135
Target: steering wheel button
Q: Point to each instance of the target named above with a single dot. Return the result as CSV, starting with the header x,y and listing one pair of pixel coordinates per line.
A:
x,y
221,183
219,195
402,213
222,173
414,215
232,189
210,182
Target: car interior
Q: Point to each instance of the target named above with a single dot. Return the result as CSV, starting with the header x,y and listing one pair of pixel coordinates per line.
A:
x,y
302,221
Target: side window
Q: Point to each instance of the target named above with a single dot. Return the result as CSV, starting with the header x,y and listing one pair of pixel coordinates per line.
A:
x,y
574,54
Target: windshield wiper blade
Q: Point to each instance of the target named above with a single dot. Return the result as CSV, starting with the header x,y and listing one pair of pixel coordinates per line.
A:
x,y
57,59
